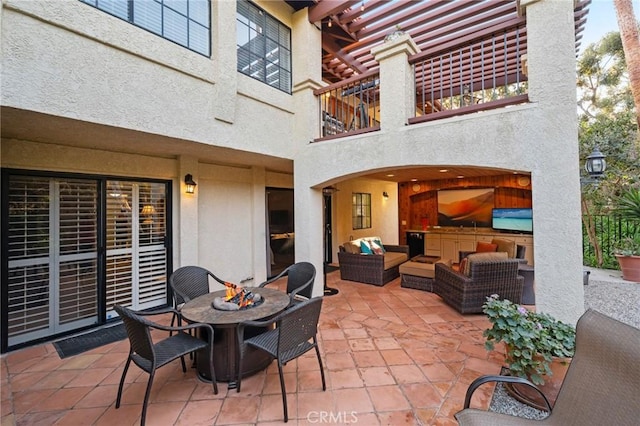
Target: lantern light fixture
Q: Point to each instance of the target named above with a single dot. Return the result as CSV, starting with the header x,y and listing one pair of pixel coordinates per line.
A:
x,y
595,164
190,183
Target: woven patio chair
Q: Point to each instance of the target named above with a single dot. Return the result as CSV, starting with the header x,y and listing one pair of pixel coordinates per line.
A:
x,y
189,282
601,385
294,335
467,293
150,356
300,277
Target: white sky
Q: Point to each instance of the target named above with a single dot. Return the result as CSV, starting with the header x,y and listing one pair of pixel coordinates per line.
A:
x,y
601,20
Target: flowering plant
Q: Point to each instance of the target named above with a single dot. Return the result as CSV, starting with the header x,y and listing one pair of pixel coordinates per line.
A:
x,y
531,338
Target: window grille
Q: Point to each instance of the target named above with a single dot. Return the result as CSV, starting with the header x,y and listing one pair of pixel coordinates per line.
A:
x,y
361,210
264,47
185,22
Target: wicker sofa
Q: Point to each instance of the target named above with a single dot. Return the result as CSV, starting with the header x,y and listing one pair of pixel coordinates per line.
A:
x,y
487,274
376,269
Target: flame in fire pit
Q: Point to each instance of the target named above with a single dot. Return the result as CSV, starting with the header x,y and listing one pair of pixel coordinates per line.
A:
x,y
238,295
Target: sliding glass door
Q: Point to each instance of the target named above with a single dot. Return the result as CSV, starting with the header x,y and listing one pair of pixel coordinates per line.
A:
x,y
136,258
52,256
73,247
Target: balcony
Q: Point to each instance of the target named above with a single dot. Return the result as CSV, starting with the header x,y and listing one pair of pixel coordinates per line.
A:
x,y
479,73
350,107
475,74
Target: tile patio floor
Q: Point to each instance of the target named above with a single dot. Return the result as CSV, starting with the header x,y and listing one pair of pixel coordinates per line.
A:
x,y
393,356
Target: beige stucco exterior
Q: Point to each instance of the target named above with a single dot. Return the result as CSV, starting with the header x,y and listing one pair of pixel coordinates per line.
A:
x,y
85,92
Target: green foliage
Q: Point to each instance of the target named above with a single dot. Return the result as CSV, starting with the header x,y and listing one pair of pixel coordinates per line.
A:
x,y
628,204
628,207
532,339
607,119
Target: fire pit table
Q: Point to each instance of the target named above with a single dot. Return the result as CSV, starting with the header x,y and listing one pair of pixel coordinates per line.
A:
x,y
225,343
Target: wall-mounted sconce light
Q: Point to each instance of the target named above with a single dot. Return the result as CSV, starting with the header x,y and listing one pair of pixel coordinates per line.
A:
x,y
385,194
191,185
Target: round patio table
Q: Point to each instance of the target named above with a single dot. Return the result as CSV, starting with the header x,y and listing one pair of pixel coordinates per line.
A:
x,y
225,342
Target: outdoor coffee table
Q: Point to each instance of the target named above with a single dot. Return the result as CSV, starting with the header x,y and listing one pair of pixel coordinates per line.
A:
x,y
418,273
225,342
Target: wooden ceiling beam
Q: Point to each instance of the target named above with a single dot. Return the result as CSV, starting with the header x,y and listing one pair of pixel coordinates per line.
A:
x,y
325,8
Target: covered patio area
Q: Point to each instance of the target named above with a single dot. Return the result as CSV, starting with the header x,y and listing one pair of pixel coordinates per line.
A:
x,y
392,356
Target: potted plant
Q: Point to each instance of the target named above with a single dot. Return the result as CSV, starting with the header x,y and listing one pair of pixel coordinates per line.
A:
x,y
536,345
627,249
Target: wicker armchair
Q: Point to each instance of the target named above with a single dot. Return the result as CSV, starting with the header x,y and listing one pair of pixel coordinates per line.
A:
x,y
467,294
189,282
601,385
300,278
150,355
294,335
376,269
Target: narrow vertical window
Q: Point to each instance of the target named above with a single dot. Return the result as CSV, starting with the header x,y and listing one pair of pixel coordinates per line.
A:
x,y
361,210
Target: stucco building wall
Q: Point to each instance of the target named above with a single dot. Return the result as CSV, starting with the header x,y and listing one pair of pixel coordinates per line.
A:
x,y
114,88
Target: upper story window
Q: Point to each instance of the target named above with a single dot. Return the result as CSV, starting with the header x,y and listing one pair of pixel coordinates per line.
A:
x,y
264,47
185,22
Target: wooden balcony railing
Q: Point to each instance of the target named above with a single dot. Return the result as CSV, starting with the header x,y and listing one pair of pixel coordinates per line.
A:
x,y
484,71
350,107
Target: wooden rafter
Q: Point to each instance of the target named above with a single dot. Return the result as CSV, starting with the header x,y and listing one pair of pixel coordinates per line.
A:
x,y
432,24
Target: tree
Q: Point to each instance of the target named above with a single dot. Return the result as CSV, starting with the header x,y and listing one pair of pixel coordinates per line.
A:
x,y
631,44
607,119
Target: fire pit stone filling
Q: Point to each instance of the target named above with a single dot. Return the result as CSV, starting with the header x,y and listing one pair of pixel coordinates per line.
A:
x,y
237,298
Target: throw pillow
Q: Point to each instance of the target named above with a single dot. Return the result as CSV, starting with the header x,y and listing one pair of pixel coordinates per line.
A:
x,y
462,266
378,242
351,248
365,248
482,247
507,246
375,247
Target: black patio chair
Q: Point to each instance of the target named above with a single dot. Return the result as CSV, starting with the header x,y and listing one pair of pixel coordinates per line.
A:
x,y
300,277
150,356
189,282
294,334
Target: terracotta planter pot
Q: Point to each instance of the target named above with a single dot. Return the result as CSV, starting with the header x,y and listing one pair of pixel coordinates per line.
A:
x,y
630,266
551,387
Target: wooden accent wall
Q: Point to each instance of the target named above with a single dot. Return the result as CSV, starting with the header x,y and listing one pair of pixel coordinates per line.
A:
x,y
413,206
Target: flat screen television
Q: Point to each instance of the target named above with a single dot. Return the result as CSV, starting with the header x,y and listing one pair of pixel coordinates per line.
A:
x,y
516,220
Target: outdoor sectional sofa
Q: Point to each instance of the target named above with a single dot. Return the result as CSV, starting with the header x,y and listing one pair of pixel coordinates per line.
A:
x,y
484,275
376,269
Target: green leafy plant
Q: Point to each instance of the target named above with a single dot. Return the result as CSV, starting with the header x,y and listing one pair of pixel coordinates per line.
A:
x,y
628,246
628,207
532,339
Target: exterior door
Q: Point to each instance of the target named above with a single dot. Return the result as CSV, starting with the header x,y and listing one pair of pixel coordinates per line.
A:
x,y
136,258
52,256
75,246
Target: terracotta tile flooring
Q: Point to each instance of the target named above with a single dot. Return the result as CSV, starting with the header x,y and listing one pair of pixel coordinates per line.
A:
x,y
392,356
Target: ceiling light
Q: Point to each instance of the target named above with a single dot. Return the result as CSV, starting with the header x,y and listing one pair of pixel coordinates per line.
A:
x,y
414,180
444,170
460,176
390,175
362,7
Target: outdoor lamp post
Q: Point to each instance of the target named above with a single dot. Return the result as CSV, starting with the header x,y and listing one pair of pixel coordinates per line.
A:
x,y
595,164
595,167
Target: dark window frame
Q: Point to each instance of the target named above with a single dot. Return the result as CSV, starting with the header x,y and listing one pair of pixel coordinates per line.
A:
x,y
261,52
166,6
361,210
